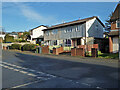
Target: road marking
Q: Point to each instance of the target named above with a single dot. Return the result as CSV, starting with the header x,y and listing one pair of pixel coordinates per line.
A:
x,y
30,74
33,75
24,72
25,84
14,65
16,70
28,69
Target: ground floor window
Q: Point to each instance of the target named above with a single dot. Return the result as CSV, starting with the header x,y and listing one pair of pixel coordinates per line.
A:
x,y
55,42
67,42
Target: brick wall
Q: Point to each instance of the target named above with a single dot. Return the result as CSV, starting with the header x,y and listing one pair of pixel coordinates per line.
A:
x,y
81,46
88,47
94,52
113,26
77,52
73,51
45,49
57,51
110,45
80,52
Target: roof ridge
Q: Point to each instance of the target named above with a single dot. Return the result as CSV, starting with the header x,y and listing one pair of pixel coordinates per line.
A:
x,y
76,20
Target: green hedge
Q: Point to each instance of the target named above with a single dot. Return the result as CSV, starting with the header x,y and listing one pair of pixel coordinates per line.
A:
x,y
28,47
16,46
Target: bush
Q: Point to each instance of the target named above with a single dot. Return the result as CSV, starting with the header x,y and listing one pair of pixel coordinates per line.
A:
x,y
28,47
16,46
9,38
22,40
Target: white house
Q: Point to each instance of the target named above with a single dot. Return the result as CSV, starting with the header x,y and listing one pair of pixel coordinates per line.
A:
x,y
15,35
2,35
37,34
79,32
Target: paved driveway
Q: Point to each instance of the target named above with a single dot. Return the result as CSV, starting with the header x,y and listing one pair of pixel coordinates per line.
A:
x,y
30,71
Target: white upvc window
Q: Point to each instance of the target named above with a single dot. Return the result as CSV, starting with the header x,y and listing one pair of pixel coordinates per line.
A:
x,y
79,28
96,27
65,31
52,32
117,24
47,33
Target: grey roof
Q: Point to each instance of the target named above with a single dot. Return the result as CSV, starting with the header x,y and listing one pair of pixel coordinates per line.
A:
x,y
73,23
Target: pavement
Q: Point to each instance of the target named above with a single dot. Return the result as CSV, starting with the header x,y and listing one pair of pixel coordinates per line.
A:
x,y
30,70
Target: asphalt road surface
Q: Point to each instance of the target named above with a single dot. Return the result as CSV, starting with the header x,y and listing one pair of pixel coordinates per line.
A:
x,y
29,71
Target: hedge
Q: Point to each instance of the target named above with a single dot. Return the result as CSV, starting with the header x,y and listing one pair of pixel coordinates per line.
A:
x,y
28,47
16,46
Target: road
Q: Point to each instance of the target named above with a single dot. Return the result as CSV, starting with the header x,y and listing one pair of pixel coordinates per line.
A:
x,y
21,70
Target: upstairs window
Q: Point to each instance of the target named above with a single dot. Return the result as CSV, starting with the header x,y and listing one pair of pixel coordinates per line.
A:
x,y
65,31
118,24
96,27
47,33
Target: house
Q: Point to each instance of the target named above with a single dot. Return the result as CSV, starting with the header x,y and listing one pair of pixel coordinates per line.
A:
x,y
2,35
14,34
20,34
37,34
79,32
114,33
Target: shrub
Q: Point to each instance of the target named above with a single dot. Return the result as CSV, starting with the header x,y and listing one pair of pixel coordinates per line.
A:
x,y
9,38
22,40
28,47
16,46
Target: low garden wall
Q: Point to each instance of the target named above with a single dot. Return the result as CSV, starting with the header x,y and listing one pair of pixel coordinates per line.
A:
x,y
57,51
88,47
77,52
45,49
94,52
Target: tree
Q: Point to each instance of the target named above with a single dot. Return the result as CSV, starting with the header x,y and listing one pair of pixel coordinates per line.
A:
x,y
25,35
9,38
108,23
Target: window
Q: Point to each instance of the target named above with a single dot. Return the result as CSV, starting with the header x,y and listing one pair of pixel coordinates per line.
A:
x,y
55,42
118,24
79,28
96,27
67,42
65,30
75,29
47,33
71,29
68,30
52,32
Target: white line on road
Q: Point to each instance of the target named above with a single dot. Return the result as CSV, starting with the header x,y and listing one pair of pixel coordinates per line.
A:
x,y
25,84
21,71
33,75
19,67
14,65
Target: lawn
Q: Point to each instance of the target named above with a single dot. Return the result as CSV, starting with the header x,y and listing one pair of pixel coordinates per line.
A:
x,y
108,55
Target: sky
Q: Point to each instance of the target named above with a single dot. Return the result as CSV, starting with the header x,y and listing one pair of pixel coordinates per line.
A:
x,y
23,16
